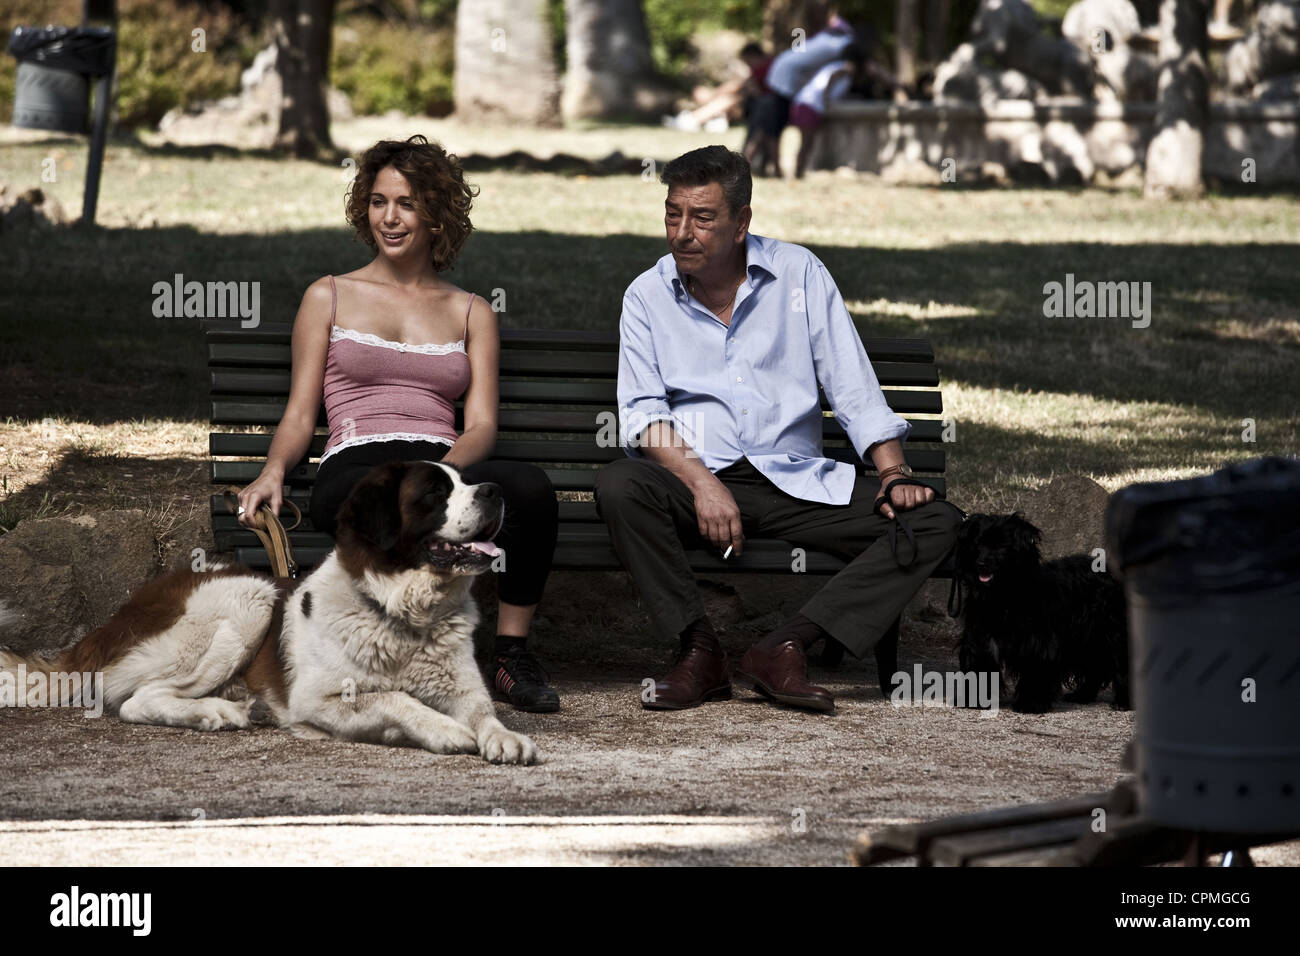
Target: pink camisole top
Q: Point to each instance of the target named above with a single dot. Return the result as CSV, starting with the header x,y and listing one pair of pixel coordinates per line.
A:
x,y
379,390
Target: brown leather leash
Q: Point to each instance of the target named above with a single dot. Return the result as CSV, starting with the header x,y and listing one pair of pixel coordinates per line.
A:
x,y
273,535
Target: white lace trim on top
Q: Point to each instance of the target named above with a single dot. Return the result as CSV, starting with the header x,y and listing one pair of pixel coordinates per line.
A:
x,y
367,338
387,436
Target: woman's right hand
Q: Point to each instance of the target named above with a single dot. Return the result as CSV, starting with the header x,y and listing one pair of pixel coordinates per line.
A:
x,y
266,489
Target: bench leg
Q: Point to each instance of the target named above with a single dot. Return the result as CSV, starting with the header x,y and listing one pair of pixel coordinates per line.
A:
x,y
832,654
886,651
887,657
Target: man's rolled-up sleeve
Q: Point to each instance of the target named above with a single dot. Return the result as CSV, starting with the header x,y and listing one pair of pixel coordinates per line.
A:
x,y
843,369
642,397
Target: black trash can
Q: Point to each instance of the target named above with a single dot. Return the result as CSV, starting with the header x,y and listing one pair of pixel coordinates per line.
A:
x,y
1211,571
52,83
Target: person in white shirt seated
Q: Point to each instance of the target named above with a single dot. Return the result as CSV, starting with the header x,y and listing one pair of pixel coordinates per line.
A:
x,y
723,344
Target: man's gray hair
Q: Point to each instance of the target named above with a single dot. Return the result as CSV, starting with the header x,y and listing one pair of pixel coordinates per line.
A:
x,y
713,164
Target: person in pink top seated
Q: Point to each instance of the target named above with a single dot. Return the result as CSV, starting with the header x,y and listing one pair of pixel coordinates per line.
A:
x,y
390,348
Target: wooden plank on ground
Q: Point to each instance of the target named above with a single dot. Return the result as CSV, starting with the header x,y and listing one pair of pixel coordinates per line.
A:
x,y
913,839
962,848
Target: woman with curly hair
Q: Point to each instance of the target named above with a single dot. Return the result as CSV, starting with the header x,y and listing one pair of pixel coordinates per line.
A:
x,y
390,348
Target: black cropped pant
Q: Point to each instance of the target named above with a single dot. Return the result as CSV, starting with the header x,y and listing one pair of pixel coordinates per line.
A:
x,y
532,514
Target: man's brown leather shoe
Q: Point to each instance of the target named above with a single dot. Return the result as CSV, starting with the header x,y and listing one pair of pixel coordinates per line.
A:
x,y
781,673
697,675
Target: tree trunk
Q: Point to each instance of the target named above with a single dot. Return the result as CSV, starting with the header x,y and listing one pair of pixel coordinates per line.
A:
x,y
505,68
1173,164
938,14
905,17
610,71
782,17
302,31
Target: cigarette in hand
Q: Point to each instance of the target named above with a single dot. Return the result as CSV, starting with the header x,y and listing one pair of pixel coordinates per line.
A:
x,y
726,554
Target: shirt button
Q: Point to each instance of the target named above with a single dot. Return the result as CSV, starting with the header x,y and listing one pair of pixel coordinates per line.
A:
x,y
744,411
739,379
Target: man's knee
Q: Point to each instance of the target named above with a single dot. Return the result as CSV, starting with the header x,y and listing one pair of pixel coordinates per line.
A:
x,y
942,522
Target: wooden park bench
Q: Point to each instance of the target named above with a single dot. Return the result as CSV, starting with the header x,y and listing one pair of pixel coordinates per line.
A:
x,y
557,409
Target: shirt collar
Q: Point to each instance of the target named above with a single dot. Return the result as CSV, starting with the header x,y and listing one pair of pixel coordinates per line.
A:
x,y
757,258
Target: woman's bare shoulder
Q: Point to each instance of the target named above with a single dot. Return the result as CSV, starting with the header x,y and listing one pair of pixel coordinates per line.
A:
x,y
481,310
317,301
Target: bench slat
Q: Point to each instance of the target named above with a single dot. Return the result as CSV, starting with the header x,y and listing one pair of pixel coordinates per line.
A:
x,y
228,332
272,363
563,479
558,453
243,409
570,513
247,378
530,420
760,557
548,450
580,553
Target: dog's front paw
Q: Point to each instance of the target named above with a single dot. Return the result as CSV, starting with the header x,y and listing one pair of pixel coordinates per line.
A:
x,y
500,745
457,739
221,714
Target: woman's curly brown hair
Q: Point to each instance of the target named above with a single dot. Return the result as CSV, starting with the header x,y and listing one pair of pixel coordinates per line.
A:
x,y
440,195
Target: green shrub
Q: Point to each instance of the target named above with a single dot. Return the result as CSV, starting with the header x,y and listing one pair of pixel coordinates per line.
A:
x,y
384,67
673,23
157,66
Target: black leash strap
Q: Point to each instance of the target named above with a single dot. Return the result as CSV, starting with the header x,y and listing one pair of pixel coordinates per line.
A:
x,y
896,523
955,595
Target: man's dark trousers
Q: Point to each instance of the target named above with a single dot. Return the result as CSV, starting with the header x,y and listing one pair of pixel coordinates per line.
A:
x,y
651,518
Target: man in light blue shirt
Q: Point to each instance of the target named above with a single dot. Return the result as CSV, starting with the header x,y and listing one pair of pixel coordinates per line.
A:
x,y
722,347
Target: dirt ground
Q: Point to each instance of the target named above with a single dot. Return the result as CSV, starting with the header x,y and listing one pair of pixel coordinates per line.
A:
x,y
738,782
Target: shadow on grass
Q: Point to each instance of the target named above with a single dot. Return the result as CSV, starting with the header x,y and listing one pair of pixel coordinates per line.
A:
x,y
80,338
78,483
982,448
515,161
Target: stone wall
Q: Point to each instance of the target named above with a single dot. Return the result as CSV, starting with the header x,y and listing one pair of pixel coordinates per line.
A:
x,y
1065,141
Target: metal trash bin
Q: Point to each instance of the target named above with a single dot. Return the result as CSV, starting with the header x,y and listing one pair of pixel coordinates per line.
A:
x,y
1211,571
52,83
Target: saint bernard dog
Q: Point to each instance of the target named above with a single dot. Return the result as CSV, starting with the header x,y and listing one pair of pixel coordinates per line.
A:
x,y
374,645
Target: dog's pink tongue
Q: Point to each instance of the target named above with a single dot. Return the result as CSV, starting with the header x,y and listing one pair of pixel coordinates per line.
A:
x,y
985,578
487,547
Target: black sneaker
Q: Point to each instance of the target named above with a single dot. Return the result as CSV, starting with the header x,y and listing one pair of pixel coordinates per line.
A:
x,y
520,680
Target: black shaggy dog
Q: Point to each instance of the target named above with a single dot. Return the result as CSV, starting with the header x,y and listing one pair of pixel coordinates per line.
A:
x,y
1046,625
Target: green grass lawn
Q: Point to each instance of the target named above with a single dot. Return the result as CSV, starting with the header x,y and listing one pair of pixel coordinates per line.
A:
x,y
88,371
